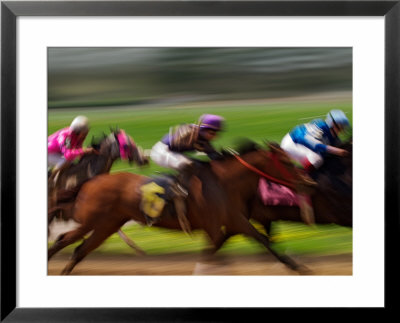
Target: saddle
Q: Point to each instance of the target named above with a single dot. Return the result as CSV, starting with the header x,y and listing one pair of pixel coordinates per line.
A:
x,y
275,194
162,192
272,194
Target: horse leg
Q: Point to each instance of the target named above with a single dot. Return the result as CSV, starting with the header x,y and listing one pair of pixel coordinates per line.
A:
x,y
216,243
248,229
51,214
66,239
267,227
130,243
98,236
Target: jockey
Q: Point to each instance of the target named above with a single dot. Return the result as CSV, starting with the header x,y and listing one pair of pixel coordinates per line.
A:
x,y
309,143
65,145
187,137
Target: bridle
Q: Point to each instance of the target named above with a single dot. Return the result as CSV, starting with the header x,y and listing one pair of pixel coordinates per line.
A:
x,y
277,164
124,143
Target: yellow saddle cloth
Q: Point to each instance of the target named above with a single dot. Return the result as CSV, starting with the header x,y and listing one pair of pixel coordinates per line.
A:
x,y
156,193
152,202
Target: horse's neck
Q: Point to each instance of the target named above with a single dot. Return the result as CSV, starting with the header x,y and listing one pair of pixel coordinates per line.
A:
x,y
88,168
235,175
103,164
107,150
336,168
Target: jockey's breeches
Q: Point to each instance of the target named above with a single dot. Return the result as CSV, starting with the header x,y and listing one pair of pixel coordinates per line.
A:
x,y
55,160
300,152
163,156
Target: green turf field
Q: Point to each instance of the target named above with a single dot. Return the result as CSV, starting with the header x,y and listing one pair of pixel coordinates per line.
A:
x,y
258,121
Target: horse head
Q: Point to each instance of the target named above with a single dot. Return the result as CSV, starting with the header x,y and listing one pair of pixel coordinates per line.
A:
x,y
118,144
337,172
128,150
338,165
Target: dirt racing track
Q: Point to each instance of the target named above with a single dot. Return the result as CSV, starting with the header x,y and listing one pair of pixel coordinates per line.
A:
x,y
189,264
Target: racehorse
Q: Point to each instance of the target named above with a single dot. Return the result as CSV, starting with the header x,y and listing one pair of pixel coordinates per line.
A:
x,y
62,193
331,200
216,202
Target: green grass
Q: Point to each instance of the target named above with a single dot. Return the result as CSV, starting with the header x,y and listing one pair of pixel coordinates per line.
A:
x,y
294,237
148,125
258,121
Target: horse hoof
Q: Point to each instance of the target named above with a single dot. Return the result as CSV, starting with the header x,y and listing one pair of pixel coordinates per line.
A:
x,y
303,270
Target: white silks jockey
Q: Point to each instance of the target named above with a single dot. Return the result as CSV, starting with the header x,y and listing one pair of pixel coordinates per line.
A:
x,y
169,151
309,143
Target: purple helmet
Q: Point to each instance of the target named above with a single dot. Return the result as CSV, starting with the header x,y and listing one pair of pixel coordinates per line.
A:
x,y
211,121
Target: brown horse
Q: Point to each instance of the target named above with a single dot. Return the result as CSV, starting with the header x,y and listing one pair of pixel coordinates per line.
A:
x,y
216,203
62,192
332,197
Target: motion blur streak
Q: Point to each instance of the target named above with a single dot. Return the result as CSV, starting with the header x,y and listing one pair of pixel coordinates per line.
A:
x,y
90,76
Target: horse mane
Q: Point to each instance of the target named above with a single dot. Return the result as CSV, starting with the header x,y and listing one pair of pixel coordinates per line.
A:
x,y
97,141
241,146
245,145
95,161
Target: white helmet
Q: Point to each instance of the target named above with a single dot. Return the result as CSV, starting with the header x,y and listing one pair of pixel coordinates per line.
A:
x,y
80,124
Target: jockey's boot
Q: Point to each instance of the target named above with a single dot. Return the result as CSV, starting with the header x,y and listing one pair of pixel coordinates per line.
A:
x,y
149,220
183,179
180,208
180,194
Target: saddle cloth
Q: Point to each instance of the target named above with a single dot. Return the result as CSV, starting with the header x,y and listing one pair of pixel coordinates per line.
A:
x,y
156,193
275,194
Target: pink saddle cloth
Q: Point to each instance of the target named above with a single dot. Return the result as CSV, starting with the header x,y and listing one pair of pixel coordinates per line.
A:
x,y
275,194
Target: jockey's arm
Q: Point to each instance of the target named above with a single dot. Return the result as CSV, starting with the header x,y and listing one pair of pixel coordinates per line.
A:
x,y
321,148
71,154
312,143
214,155
210,151
336,151
182,139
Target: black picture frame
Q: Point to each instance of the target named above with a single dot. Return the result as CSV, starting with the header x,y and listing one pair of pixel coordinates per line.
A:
x,y
11,10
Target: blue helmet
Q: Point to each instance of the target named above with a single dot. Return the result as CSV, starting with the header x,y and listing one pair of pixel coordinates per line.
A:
x,y
337,118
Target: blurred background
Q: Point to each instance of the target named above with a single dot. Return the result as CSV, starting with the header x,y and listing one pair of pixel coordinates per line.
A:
x,y
261,92
115,76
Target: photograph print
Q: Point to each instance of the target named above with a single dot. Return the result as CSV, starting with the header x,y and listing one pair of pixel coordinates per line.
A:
x,y
200,161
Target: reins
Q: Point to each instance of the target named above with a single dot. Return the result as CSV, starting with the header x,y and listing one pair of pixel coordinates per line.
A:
x,y
254,169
